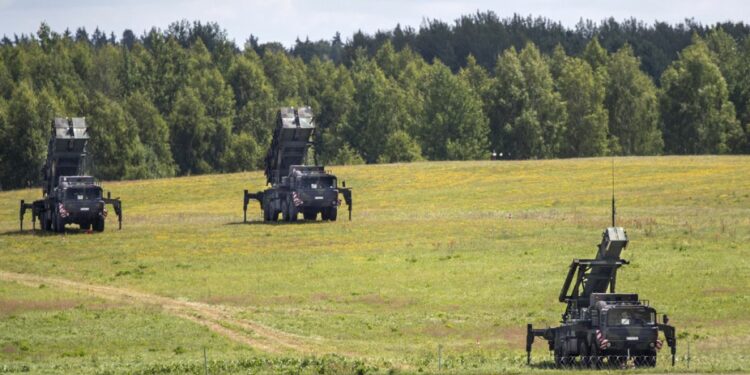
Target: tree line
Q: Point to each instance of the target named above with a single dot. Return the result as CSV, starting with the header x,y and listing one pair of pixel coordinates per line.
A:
x,y
187,100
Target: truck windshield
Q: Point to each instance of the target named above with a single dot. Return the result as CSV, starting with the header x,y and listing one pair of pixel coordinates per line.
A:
x,y
83,193
318,183
628,317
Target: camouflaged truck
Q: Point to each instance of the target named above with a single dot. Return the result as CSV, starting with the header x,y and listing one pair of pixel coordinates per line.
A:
x,y
599,327
297,188
68,195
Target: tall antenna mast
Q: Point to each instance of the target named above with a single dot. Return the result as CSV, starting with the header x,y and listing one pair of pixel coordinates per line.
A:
x,y
613,190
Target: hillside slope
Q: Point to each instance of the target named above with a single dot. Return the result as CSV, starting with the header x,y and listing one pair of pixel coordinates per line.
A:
x,y
458,254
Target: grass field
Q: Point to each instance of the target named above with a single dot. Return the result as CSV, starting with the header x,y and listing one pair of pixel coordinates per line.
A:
x,y
458,255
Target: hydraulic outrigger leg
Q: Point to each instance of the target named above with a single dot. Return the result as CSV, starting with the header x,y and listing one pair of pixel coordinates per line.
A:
x,y
25,206
246,200
347,193
117,205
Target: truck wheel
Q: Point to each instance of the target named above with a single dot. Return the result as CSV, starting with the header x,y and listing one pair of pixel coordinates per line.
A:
x,y
43,222
583,351
266,213
291,210
85,226
596,358
99,224
332,213
646,359
285,210
310,215
558,358
59,224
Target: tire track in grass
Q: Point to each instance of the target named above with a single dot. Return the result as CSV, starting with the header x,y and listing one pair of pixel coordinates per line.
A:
x,y
217,318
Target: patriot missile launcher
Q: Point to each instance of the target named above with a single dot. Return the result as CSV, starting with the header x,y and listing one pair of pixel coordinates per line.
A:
x,y
296,187
68,195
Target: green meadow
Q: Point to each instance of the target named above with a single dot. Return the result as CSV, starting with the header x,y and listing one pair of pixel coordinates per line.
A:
x,y
449,257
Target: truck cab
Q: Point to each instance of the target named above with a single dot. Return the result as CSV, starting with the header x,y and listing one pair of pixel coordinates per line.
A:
x,y
314,191
623,326
69,195
79,200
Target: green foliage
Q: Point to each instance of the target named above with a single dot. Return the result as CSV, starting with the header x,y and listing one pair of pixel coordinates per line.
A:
x,y
379,110
697,116
153,132
455,125
733,64
346,156
190,132
594,54
399,148
194,99
244,154
254,97
116,151
529,116
633,107
586,128
287,74
332,100
24,139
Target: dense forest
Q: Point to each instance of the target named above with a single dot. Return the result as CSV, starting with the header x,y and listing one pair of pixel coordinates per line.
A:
x,y
187,100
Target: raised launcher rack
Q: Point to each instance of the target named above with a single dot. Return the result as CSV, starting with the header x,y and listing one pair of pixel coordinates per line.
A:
x,y
65,168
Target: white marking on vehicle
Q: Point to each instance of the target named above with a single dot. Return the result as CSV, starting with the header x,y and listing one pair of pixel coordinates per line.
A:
x,y
632,338
84,208
318,198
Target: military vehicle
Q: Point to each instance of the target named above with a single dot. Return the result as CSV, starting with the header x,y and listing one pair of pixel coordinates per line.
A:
x,y
69,196
297,188
603,327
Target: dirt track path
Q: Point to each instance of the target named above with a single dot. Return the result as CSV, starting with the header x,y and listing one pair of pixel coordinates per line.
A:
x,y
217,318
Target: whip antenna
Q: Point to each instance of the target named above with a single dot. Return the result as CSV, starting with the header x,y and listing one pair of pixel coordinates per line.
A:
x,y
613,191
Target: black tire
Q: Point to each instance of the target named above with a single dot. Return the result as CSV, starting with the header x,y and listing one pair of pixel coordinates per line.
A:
x,y
85,226
583,351
332,213
59,224
99,224
285,211
44,222
646,360
266,212
291,210
613,361
310,215
596,358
